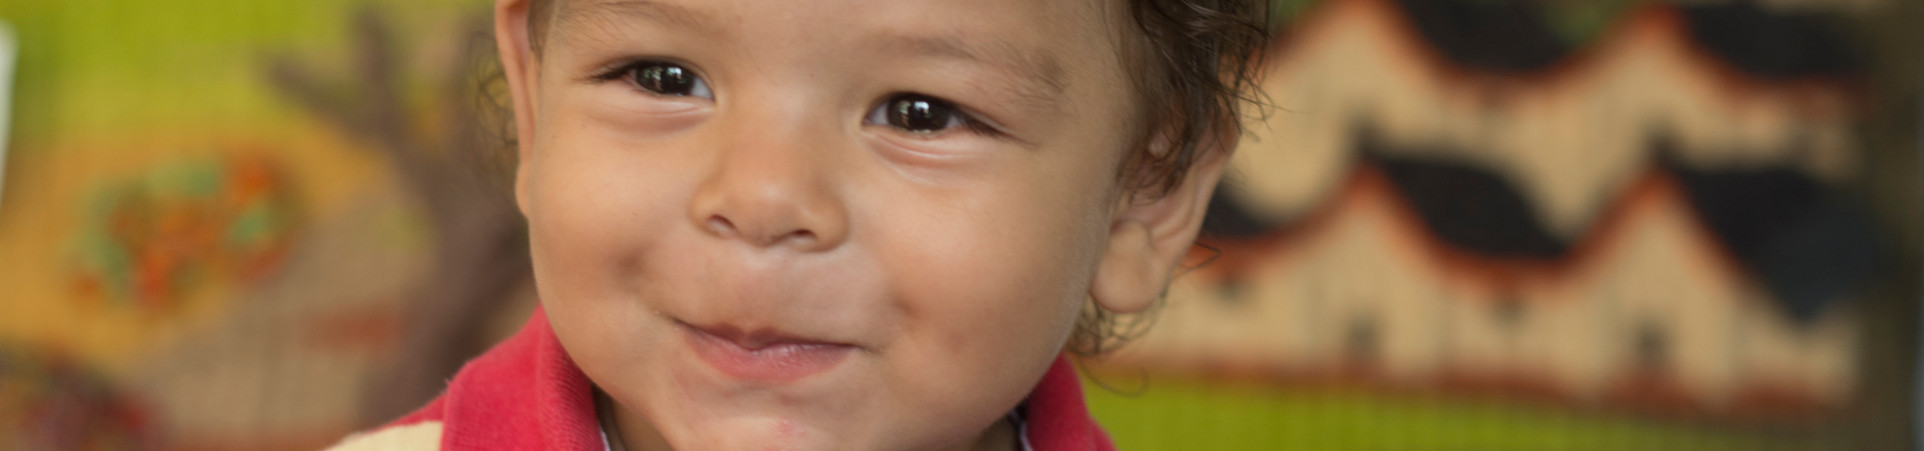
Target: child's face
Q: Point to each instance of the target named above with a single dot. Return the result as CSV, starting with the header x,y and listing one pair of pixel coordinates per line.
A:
x,y
823,224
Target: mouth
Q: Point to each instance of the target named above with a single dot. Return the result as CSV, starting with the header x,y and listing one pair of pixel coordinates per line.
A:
x,y
763,356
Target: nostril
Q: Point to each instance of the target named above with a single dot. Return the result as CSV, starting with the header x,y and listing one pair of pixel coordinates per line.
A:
x,y
802,237
720,226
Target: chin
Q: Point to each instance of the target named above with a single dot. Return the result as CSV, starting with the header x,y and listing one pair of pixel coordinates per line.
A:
x,y
702,412
763,434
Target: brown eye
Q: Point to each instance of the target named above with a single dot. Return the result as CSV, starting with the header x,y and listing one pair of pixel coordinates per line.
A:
x,y
668,79
920,114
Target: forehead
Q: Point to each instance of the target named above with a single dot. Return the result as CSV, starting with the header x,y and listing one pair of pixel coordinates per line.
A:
x,y
1042,42
1043,18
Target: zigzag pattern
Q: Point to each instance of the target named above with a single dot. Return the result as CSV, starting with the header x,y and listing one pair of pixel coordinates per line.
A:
x,y
1570,134
1636,223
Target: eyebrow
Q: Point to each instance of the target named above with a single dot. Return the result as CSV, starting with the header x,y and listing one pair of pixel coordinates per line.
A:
x,y
670,15
1040,75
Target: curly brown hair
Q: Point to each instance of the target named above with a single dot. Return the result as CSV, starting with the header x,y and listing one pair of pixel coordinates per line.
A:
x,y
1200,60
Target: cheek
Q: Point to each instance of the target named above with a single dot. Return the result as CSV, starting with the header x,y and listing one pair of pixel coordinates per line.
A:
x,y
990,285
595,207
600,192
589,212
981,281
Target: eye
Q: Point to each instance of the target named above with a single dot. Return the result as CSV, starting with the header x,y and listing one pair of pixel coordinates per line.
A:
x,y
918,114
666,79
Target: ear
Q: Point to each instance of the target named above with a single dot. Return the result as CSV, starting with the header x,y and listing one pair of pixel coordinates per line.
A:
x,y
1149,237
519,66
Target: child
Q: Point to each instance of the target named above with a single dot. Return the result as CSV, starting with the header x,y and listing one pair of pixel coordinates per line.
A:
x,y
840,224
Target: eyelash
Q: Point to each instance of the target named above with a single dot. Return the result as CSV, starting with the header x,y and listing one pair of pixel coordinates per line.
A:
x,y
617,70
627,69
968,121
973,126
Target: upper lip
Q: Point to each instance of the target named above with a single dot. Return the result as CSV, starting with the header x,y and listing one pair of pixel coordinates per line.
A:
x,y
758,338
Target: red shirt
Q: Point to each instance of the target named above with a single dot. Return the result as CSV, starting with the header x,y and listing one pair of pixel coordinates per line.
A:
x,y
526,394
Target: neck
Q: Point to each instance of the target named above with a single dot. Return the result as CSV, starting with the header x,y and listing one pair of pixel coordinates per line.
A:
x,y
626,431
1001,436
629,432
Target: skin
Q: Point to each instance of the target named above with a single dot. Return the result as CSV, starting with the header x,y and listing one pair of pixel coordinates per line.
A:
x,y
953,262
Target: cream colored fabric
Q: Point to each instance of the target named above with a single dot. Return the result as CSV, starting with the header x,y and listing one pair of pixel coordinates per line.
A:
x,y
425,435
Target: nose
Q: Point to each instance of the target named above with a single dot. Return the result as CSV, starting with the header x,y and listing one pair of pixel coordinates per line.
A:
x,y
772,190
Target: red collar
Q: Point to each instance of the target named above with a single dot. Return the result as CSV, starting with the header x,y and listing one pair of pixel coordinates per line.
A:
x,y
527,394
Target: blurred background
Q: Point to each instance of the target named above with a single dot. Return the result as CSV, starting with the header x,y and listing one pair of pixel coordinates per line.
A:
x,y
1466,225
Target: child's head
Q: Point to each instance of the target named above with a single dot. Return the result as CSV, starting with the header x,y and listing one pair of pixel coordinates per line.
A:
x,y
858,224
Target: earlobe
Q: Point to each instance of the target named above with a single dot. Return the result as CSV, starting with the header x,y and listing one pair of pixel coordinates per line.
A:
x,y
518,66
1130,276
1148,240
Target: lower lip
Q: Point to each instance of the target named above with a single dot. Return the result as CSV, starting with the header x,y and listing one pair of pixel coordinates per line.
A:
x,y
775,363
